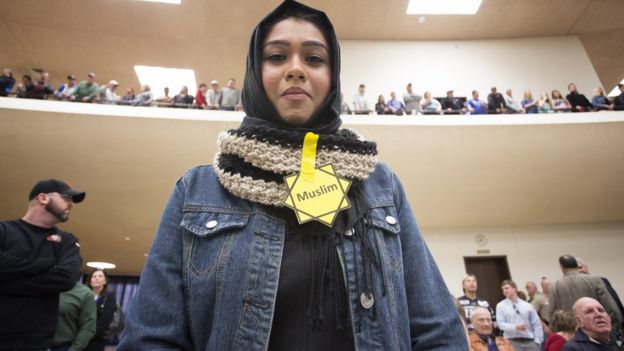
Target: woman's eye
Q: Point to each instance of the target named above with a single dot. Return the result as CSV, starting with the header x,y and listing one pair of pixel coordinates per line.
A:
x,y
275,57
315,59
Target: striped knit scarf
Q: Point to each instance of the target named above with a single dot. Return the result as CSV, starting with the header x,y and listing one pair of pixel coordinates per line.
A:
x,y
251,161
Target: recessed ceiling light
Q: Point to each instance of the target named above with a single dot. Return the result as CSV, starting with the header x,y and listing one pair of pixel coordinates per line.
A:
x,y
127,238
443,7
176,2
616,90
101,265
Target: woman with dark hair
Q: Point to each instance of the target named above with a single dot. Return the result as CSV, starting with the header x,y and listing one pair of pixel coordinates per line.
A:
x,y
563,327
105,304
232,267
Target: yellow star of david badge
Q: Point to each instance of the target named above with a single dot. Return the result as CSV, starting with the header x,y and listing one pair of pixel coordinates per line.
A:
x,y
319,197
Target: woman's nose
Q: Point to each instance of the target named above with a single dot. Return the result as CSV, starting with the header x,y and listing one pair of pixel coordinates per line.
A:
x,y
295,69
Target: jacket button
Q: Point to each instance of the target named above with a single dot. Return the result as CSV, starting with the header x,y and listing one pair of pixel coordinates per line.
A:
x,y
349,232
211,224
367,300
391,220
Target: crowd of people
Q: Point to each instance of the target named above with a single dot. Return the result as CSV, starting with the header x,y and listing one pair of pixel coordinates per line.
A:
x,y
577,312
228,98
496,103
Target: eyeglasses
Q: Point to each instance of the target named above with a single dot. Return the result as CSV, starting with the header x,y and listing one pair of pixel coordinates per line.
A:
x,y
516,309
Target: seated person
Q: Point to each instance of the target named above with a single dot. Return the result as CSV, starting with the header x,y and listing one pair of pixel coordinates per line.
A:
x,y
6,82
395,106
618,102
559,103
106,93
496,102
452,105
128,98
482,337
65,90
528,103
563,327
578,102
145,98
429,105
595,329
183,99
42,87
510,102
412,101
200,96
86,90
476,106
544,104
380,106
600,102
25,88
165,99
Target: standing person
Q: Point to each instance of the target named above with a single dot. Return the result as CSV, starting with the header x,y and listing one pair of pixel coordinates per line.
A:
x,y
470,300
105,306
538,300
360,102
412,101
183,99
64,91
42,87
37,262
232,268
230,97
518,320
574,285
395,106
77,316
200,96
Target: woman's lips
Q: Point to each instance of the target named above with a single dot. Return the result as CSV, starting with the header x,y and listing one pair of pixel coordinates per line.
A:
x,y
295,93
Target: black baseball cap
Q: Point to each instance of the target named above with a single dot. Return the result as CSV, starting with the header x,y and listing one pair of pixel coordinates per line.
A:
x,y
56,186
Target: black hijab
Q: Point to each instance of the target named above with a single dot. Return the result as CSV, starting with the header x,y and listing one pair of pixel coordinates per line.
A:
x,y
257,106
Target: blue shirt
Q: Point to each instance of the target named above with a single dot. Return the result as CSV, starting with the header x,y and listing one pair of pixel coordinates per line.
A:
x,y
478,106
510,313
531,109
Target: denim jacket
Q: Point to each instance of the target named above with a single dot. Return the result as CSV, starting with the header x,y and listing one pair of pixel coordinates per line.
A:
x,y
211,278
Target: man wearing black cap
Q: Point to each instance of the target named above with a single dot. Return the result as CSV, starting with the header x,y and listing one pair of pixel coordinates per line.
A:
x,y
37,262
574,285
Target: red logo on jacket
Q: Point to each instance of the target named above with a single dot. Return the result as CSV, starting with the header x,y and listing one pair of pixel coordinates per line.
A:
x,y
54,237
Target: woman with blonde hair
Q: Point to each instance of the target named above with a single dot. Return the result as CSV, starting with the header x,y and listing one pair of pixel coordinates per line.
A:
x,y
545,103
528,103
560,104
600,102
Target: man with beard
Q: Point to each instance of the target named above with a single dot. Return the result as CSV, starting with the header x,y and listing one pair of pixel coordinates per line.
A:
x,y
37,262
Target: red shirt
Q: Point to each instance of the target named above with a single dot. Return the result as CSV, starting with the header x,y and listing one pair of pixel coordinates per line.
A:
x,y
200,98
554,342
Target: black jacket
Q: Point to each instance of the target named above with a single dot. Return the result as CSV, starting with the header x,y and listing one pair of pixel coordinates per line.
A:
x,y
36,264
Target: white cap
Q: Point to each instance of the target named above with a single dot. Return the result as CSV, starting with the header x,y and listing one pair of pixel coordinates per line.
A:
x,y
214,81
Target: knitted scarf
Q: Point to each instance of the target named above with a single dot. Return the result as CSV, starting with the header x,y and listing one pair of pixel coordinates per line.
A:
x,y
251,161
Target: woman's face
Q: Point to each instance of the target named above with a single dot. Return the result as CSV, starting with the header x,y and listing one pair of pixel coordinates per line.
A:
x,y
97,279
296,69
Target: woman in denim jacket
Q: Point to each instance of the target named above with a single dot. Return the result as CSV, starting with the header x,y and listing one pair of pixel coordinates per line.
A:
x,y
232,269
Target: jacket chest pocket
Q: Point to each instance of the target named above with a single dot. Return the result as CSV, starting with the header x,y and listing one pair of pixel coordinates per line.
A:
x,y
208,239
384,222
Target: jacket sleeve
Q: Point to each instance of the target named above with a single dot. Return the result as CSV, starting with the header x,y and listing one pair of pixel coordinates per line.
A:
x,y
86,324
434,321
607,301
60,277
12,266
156,317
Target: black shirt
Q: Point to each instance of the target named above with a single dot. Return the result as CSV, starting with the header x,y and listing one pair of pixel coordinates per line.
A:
x,y
36,264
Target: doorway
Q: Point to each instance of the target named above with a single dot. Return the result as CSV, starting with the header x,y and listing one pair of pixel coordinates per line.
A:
x,y
490,272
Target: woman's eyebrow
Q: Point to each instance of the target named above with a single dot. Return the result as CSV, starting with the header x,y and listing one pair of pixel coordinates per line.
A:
x,y
287,43
314,43
276,42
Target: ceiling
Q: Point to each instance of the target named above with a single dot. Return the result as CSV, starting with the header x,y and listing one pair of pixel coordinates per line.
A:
x,y
111,36
458,172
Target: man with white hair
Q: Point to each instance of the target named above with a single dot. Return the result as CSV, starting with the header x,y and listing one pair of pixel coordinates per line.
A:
x,y
482,337
595,331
